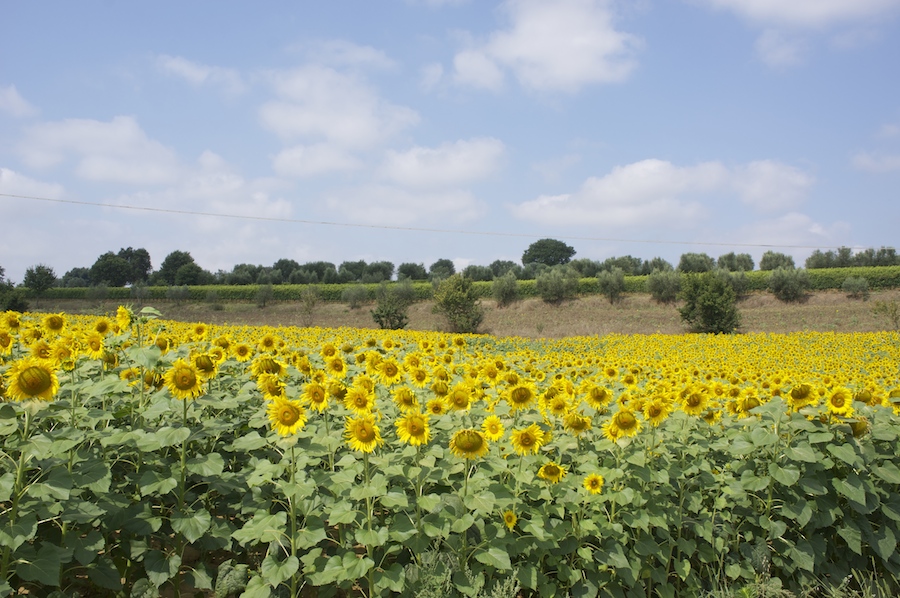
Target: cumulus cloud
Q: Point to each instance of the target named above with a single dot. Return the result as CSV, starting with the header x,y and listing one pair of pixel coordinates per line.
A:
x,y
449,164
12,103
393,206
889,130
198,74
771,186
559,45
319,103
655,192
314,159
807,13
874,162
14,183
117,151
793,228
778,49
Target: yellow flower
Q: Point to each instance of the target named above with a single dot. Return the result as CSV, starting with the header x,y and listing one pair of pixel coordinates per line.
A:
x,y
657,410
93,345
242,352
469,444
362,434
840,402
413,429
124,318
509,519
576,424
183,380
286,416
528,440
54,323
389,372
460,397
405,399
622,423
206,366
520,396
359,400
316,395
336,366
593,483
493,428
598,397
31,378
436,407
266,364
271,386
552,472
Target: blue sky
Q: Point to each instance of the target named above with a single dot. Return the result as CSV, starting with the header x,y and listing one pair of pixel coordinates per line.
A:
x,y
427,129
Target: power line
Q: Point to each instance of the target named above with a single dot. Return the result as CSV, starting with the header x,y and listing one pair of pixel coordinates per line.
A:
x,y
400,228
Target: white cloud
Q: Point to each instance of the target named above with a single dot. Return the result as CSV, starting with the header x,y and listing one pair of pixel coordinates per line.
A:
x,y
807,13
339,52
322,104
449,164
778,49
315,159
771,186
561,45
431,76
554,168
200,74
889,130
656,192
437,3
793,228
872,162
12,103
392,206
14,183
116,151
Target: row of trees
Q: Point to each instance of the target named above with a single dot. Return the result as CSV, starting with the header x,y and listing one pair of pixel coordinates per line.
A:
x,y
131,266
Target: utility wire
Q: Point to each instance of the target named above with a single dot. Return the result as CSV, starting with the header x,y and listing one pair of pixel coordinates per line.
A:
x,y
400,228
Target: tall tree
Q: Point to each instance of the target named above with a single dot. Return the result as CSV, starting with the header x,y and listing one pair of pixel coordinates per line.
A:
x,y
139,262
39,278
549,252
112,270
441,269
173,262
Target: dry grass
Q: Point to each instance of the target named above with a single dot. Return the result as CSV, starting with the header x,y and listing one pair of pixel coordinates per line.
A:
x,y
586,316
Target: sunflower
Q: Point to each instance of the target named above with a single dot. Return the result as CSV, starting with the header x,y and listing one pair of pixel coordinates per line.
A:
x,y
469,444
840,402
359,400
436,407
527,440
440,388
271,386
493,428
520,396
598,397
389,372
695,402
286,416
93,345
242,352
42,350
552,472
11,320
103,325
460,397
124,318
163,343
54,323
419,377
413,429
362,434
62,353
31,378
206,366
593,483
576,424
183,380
6,342
657,410
405,399
266,364
800,396
509,520
268,343
622,423
316,395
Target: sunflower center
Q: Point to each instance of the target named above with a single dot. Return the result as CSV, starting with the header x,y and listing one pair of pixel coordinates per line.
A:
x,y
34,380
364,433
552,471
520,395
470,441
288,415
837,400
55,323
527,440
185,378
204,363
626,421
390,370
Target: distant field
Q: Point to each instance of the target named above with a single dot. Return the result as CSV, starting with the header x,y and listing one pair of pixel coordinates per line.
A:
x,y
823,311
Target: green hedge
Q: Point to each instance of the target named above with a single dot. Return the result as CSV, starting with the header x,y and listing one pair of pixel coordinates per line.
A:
x,y
878,277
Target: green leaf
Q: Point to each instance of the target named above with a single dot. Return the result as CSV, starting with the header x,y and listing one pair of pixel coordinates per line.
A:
x,y
154,482
885,542
249,442
192,525
393,579
93,474
682,568
481,503
373,537
208,465
104,574
275,572
23,531
172,436
356,567
394,500
851,488
845,453
463,523
310,536
803,556
143,588
342,512
257,588
159,568
429,502
802,452
44,565
85,549
852,536
888,472
753,483
263,528
494,557
787,476
763,437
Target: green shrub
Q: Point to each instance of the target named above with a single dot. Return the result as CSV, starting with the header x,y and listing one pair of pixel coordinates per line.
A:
x,y
264,294
709,303
664,285
558,284
355,295
505,289
457,300
612,284
856,287
212,297
310,297
13,300
737,279
392,304
789,284
890,310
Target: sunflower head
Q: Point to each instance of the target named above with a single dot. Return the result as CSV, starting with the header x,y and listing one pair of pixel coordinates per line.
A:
x,y
593,483
493,428
469,444
286,416
413,429
509,520
552,472
528,440
362,434
183,380
31,378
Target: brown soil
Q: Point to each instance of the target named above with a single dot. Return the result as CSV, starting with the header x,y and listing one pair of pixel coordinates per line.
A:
x,y
586,316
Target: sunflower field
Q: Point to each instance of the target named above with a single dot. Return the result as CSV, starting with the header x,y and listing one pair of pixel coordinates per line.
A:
x,y
143,457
